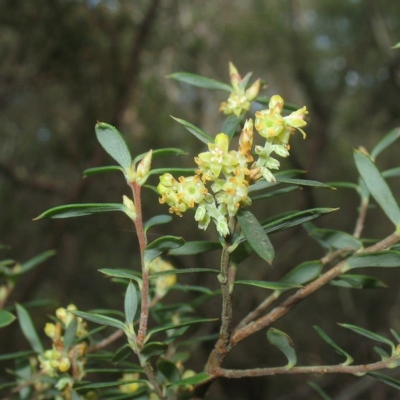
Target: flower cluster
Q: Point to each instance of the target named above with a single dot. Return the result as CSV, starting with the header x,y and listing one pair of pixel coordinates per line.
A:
x,y
228,173
162,283
60,358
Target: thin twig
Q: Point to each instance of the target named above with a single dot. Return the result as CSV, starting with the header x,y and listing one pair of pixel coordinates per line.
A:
x,y
107,341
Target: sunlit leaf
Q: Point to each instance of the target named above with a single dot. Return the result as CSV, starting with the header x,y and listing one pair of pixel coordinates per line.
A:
x,y
339,350
268,285
200,81
6,318
121,274
167,152
79,210
352,281
343,185
385,259
230,125
396,46
303,273
101,170
369,335
28,329
385,142
130,303
156,220
254,233
391,173
100,319
160,246
194,130
377,186
284,343
114,144
197,247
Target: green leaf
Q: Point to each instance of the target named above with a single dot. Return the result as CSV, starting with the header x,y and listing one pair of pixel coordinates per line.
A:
x,y
395,335
111,384
396,46
230,125
280,174
169,370
331,238
6,318
131,303
153,349
269,285
183,271
194,380
283,342
194,130
18,354
391,173
35,261
320,391
100,319
275,193
167,152
303,182
121,354
386,379
200,81
339,350
385,259
369,335
114,144
304,273
193,248
385,142
384,354
171,170
156,220
70,334
117,273
377,186
357,282
28,329
79,210
176,326
254,233
160,246
101,170
344,185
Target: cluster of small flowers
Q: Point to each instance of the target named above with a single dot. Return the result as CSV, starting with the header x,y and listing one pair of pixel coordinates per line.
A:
x,y
162,284
231,172
61,359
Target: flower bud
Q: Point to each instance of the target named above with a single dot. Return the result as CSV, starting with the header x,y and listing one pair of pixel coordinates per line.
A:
x,y
143,169
253,90
276,103
130,209
235,76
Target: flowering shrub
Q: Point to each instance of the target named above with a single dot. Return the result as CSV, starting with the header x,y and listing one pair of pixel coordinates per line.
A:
x,y
221,187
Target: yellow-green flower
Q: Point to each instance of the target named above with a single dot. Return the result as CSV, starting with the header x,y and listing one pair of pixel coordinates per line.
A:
x,y
164,282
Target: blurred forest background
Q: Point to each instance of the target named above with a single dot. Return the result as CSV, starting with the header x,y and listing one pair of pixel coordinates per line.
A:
x,y
67,63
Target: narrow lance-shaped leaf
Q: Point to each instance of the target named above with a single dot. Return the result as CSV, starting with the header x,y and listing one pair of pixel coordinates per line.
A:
x,y
79,210
153,349
385,142
169,370
339,350
193,248
331,238
352,281
377,186
121,274
100,319
230,125
303,182
156,220
183,271
254,233
304,273
386,379
283,342
101,170
269,285
369,335
131,303
37,260
6,318
114,144
28,329
70,334
194,380
200,81
180,171
384,259
320,391
194,130
160,246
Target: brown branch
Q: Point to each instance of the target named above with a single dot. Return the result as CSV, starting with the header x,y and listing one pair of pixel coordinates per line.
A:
x,y
107,341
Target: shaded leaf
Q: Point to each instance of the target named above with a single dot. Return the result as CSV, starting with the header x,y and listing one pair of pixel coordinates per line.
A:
x,y
275,193
18,354
183,271
200,81
352,281
35,261
28,329
269,285
156,220
114,144
385,142
283,342
100,319
303,182
101,385
101,170
79,210
262,184
153,349
171,170
194,130
320,391
384,355
385,259
343,185
194,380
388,380
230,125
304,273
121,354
395,335
169,370
121,274
70,333
339,350
130,303
6,318
254,233
377,186
196,247
160,246
331,238
369,335
391,173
